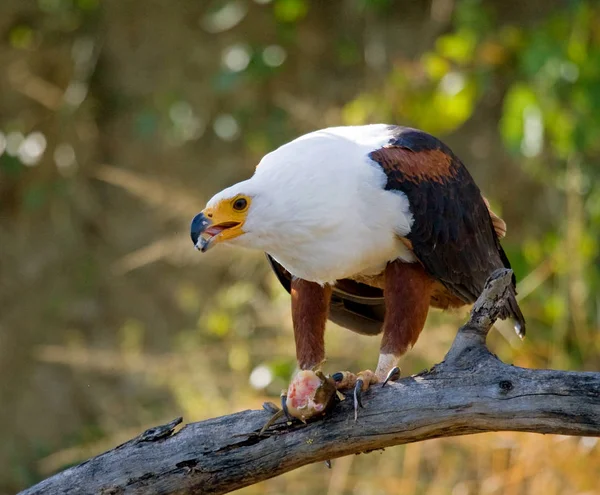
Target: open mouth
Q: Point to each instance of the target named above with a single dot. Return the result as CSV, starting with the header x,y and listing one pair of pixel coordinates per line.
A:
x,y
211,232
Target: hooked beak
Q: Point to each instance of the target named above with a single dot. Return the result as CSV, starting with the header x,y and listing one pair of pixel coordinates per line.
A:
x,y
199,225
204,232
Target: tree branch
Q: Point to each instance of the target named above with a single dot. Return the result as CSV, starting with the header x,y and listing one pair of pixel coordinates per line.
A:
x,y
471,391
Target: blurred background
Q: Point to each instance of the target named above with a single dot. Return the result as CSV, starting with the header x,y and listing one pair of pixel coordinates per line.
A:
x,y
119,119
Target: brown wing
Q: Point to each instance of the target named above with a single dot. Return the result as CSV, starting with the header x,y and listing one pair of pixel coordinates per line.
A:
x,y
453,234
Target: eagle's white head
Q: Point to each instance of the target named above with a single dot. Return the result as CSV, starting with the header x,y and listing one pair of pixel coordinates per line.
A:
x,y
318,205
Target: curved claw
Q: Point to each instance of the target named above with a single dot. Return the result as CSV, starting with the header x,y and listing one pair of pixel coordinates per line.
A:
x,y
277,413
393,375
272,420
358,397
284,407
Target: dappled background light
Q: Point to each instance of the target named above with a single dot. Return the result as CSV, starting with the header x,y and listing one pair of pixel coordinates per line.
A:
x,y
119,120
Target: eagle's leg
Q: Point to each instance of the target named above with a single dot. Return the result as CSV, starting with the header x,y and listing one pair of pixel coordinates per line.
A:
x,y
310,307
407,296
310,392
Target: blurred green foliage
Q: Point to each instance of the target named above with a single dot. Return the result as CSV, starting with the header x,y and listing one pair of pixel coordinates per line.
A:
x,y
119,119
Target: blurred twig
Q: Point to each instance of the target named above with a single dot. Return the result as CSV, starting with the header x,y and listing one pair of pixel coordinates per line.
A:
x,y
25,82
535,278
174,202
154,191
175,248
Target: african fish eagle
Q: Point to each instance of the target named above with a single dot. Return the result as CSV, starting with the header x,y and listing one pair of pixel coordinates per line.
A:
x,y
367,226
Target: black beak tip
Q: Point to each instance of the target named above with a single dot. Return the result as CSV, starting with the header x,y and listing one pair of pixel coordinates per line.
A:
x,y
199,223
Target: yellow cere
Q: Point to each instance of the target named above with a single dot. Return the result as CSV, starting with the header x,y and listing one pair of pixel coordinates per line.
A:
x,y
227,218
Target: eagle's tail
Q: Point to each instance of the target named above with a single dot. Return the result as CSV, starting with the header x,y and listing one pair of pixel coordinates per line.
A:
x,y
512,310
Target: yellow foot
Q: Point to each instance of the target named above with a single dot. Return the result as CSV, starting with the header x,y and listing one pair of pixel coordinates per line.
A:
x,y
344,380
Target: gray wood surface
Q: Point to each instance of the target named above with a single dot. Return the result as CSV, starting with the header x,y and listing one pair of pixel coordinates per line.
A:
x,y
471,391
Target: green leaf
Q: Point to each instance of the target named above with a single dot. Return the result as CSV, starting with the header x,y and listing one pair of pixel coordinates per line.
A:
x,y
517,99
458,47
290,10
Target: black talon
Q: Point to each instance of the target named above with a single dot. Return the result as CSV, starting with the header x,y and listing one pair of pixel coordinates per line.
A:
x,y
393,375
337,377
285,409
328,463
357,397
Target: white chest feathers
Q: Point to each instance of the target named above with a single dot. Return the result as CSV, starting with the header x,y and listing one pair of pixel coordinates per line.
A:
x,y
320,206
334,259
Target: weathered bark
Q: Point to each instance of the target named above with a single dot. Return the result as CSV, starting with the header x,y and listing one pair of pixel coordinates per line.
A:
x,y
471,391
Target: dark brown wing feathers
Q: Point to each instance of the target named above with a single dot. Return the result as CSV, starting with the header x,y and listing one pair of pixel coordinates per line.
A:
x,y
453,234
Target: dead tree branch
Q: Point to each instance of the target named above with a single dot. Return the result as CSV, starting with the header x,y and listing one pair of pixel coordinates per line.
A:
x,y
471,391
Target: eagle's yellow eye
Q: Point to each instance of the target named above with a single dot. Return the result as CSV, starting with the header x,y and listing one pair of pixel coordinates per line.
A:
x,y
240,204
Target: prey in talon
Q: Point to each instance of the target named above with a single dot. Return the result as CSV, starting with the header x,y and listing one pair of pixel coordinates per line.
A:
x,y
310,394
368,227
